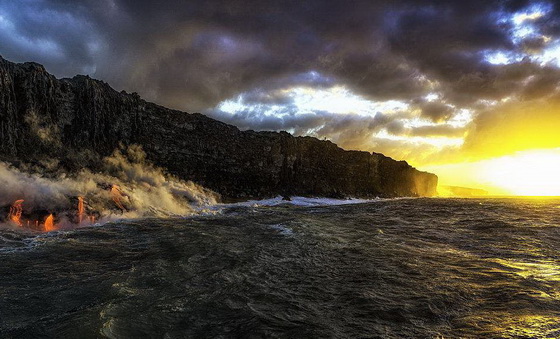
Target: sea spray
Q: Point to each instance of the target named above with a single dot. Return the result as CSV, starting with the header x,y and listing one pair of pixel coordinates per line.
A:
x,y
129,186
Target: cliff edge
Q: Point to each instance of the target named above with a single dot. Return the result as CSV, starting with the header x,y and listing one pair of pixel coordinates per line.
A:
x,y
72,123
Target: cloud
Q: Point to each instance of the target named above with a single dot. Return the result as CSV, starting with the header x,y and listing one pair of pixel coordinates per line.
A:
x,y
479,56
438,131
436,111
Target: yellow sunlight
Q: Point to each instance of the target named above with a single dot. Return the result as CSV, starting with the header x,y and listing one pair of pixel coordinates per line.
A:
x,y
526,173
531,173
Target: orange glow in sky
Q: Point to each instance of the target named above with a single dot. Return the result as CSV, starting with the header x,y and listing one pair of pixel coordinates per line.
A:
x,y
527,173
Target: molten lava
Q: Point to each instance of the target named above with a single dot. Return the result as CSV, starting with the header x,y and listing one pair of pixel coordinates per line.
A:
x,y
117,197
15,212
49,223
81,210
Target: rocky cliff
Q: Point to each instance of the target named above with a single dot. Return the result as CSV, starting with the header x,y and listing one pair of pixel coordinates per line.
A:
x,y
49,123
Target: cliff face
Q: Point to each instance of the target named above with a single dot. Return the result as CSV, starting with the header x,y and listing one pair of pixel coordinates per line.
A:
x,y
72,123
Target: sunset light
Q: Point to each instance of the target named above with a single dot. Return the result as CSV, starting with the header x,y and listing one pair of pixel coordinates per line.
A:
x,y
525,173
530,173
280,169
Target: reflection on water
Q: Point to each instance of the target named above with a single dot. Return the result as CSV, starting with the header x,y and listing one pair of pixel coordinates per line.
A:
x,y
419,268
540,282
544,271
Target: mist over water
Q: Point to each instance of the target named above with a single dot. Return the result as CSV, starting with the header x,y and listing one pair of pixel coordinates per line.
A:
x,y
389,269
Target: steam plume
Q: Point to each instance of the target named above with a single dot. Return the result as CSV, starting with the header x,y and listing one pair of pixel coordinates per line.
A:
x,y
129,187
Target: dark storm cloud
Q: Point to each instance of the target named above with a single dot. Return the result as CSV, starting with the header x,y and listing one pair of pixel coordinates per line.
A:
x,y
63,39
534,45
192,55
181,52
436,111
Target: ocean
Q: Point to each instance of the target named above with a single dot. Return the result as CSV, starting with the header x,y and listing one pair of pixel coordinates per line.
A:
x,y
310,268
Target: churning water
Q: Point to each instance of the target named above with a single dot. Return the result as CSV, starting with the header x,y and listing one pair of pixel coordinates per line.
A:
x,y
420,268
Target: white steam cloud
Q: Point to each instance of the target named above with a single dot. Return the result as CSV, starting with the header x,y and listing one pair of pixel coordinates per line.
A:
x,y
128,187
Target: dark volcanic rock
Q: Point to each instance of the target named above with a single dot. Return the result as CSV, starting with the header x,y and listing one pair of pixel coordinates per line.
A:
x,y
75,122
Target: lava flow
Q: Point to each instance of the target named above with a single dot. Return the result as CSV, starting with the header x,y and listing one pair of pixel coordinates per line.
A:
x,y
16,211
49,223
16,217
53,219
81,210
117,197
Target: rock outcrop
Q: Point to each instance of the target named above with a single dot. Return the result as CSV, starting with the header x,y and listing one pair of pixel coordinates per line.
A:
x,y
72,123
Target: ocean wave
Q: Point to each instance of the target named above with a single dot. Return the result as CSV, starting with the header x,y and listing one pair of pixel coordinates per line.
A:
x,y
299,201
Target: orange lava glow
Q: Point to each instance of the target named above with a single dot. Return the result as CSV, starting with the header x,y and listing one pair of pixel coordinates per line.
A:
x,y
117,196
49,223
15,212
81,210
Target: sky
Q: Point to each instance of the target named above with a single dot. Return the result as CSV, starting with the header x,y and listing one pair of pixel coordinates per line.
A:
x,y
459,88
